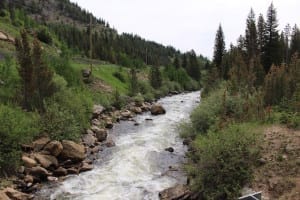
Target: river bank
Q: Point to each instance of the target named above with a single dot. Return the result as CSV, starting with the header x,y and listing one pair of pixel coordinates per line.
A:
x,y
132,123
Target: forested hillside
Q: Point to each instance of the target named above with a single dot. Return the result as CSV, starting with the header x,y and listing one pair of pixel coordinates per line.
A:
x,y
51,75
71,25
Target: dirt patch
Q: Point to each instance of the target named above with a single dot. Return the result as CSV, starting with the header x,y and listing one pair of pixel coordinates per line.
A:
x,y
99,85
278,176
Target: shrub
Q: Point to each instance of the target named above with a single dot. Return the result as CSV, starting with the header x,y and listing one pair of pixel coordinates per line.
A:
x,y
207,114
223,161
63,68
44,36
16,127
119,76
60,123
118,100
67,114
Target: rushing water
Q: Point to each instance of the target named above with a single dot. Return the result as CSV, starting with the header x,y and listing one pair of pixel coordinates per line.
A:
x,y
138,167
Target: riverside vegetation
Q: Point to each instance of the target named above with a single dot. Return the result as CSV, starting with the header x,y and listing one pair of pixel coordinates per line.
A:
x,y
48,86
248,87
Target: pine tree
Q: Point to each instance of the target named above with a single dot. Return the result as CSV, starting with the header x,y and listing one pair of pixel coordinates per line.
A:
x,y
272,45
184,61
251,43
261,33
155,77
219,49
176,62
26,69
295,41
133,82
193,67
42,76
36,76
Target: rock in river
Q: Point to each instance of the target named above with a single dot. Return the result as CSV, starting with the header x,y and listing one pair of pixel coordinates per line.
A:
x,y
157,109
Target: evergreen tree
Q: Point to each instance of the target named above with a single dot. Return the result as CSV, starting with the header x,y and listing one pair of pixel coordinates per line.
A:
x,y
261,30
295,41
184,61
282,47
155,77
193,67
42,76
287,35
219,49
133,82
26,69
36,76
251,43
272,45
176,62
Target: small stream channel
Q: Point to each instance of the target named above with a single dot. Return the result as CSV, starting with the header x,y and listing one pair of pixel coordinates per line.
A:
x,y
138,166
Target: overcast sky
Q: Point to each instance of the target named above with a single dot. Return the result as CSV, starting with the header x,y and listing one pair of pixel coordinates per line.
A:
x,y
187,24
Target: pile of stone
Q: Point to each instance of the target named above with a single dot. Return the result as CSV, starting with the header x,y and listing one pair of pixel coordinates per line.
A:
x,y
46,160
52,160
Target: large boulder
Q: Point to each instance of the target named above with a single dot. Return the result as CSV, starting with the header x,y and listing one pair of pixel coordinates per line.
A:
x,y
89,139
16,195
72,151
39,172
110,143
86,167
178,192
29,162
109,123
40,143
60,172
46,161
3,196
136,110
97,110
157,109
101,134
126,115
54,148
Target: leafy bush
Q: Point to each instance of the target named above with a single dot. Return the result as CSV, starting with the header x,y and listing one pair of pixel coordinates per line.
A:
x,y
223,161
63,68
207,114
67,114
119,76
118,100
16,127
60,123
44,36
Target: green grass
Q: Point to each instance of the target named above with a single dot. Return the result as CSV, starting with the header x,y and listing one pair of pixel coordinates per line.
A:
x,y
105,73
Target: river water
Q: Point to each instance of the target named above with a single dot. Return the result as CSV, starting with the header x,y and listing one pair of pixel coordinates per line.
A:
x,y
138,167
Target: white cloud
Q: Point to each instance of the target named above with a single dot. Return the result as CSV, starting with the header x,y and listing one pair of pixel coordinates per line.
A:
x,y
187,24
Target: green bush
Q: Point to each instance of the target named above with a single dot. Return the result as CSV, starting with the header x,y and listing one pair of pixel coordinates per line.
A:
x,y
119,101
16,127
44,36
67,114
62,67
207,113
119,76
223,161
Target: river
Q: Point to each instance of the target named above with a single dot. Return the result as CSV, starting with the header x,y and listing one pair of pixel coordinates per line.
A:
x,y
138,167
